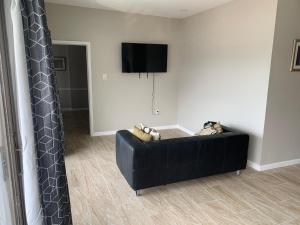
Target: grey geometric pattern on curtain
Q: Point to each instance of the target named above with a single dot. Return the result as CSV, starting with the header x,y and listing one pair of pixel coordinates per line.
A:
x,y
47,117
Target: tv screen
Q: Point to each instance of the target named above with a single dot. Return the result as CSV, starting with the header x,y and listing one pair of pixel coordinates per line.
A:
x,y
144,58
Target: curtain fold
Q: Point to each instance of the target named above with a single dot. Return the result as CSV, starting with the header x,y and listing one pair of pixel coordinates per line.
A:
x,y
46,114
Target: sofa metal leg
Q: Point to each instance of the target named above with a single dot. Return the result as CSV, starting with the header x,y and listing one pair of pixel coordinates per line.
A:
x,y
138,193
238,172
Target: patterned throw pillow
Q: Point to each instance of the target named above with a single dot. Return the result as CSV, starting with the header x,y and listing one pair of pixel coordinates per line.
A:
x,y
207,131
154,133
211,128
218,128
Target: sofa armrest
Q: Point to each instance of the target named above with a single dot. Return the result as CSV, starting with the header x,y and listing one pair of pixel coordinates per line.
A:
x,y
126,147
236,154
131,140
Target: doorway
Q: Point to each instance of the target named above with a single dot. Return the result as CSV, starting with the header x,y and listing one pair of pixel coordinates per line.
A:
x,y
72,65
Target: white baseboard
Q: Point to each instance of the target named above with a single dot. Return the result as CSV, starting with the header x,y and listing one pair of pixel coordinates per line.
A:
x,y
271,166
280,164
106,133
166,127
185,130
253,165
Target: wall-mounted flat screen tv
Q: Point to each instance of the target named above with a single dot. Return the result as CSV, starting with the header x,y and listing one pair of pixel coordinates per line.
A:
x,y
144,58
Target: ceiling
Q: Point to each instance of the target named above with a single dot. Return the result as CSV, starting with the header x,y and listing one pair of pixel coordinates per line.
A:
x,y
165,8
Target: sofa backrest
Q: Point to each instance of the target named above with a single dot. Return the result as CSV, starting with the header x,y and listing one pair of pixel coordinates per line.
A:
x,y
227,150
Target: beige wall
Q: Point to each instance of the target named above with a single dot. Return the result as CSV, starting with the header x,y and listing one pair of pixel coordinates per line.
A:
x,y
123,100
226,64
282,128
219,69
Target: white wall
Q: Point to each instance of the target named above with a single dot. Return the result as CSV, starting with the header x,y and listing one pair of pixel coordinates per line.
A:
x,y
123,100
226,63
282,128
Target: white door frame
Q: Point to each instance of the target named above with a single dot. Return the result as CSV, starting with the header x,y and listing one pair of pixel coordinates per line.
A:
x,y
89,74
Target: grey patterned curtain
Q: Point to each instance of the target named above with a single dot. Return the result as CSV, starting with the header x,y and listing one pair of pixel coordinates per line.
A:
x,y
46,115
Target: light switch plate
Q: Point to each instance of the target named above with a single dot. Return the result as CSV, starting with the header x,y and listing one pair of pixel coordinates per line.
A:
x,y
104,76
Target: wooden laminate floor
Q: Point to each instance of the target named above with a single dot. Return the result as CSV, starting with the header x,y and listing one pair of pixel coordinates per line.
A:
x,y
100,195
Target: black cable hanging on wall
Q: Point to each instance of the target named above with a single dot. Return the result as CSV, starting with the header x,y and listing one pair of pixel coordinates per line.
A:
x,y
153,94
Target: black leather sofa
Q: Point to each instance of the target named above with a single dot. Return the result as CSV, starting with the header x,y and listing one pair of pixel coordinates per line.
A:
x,y
148,164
